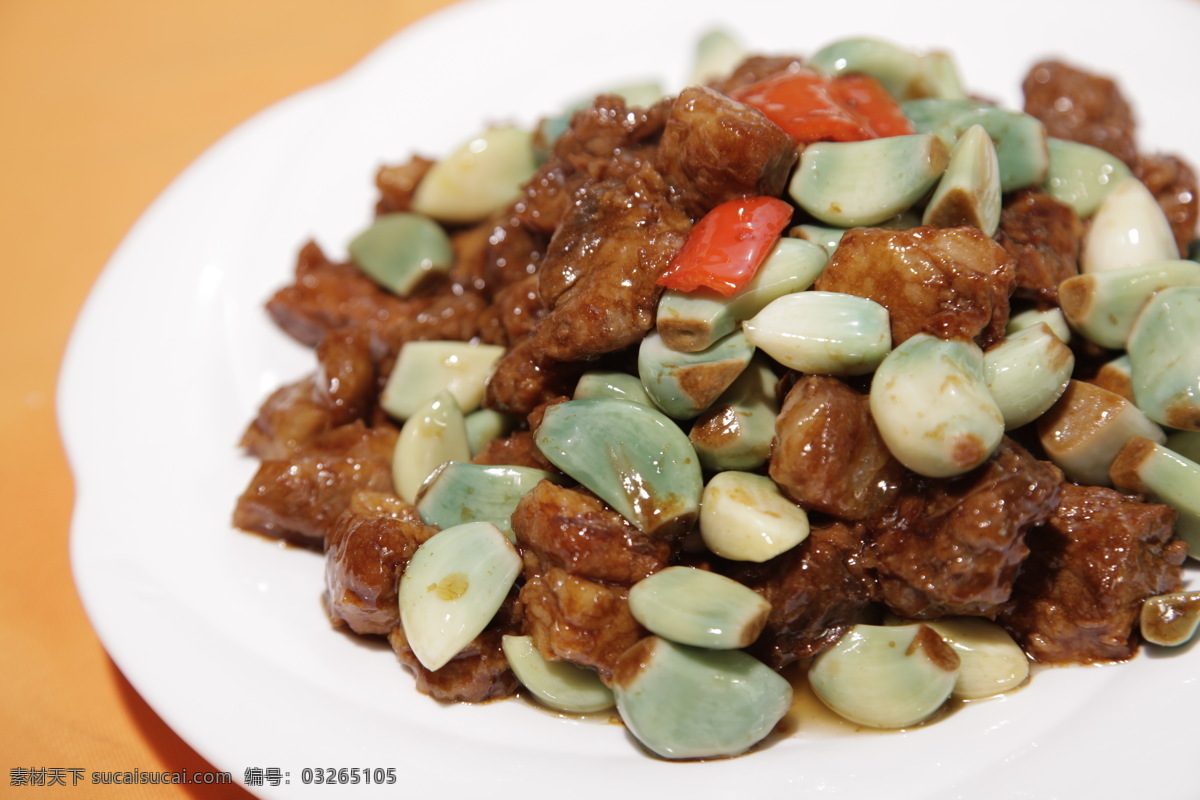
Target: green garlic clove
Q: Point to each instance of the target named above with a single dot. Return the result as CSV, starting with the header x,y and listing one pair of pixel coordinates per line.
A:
x,y
689,702
684,384
1020,139
699,608
745,517
485,424
827,237
931,403
717,54
1027,373
426,368
452,587
736,431
1052,317
1128,230
1170,620
826,333
560,685
991,662
480,177
633,457
399,250
1083,432
864,183
1081,176
462,492
692,321
612,384
1165,360
435,434
886,676
969,191
904,73
1103,305
1147,467
1116,376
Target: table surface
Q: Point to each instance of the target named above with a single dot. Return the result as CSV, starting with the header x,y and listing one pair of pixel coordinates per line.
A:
x,y
105,102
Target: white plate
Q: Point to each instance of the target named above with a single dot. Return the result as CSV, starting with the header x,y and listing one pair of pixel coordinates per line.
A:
x,y
223,633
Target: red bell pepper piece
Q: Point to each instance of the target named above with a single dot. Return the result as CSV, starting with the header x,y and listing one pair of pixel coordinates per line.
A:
x,y
726,247
814,108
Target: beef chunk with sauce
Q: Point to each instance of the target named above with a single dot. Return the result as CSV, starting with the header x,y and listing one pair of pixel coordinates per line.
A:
x,y
1091,565
299,498
1043,237
953,283
365,554
1080,106
817,590
954,545
828,455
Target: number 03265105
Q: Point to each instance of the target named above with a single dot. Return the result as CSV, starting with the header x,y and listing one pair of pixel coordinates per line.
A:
x,y
344,775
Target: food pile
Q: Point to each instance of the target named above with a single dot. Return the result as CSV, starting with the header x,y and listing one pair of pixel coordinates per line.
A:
x,y
821,369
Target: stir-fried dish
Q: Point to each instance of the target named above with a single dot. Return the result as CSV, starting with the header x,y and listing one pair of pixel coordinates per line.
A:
x,y
822,369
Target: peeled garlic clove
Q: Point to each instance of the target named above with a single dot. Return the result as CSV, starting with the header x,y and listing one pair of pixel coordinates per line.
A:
x,y
560,685
1081,176
718,52
931,403
1022,155
453,585
463,492
1170,619
1164,358
700,608
399,250
1086,428
886,676
483,425
898,69
435,434
633,457
1116,376
480,177
864,183
745,517
1051,317
690,702
423,369
612,384
1027,373
1128,230
826,333
1104,305
736,431
693,321
991,662
969,190
684,384
1147,467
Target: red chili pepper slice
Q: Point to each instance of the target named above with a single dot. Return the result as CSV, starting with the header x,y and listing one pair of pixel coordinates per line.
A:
x,y
814,108
726,247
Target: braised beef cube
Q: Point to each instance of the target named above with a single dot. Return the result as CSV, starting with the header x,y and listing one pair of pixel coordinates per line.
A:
x,y
576,532
524,379
367,550
1091,565
953,283
715,149
518,307
398,183
607,141
479,672
817,590
598,279
954,545
828,455
299,498
452,312
579,620
1043,237
326,296
515,450
1077,105
1173,182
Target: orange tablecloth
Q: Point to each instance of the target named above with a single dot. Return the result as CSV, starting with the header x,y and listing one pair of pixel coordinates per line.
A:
x,y
103,103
